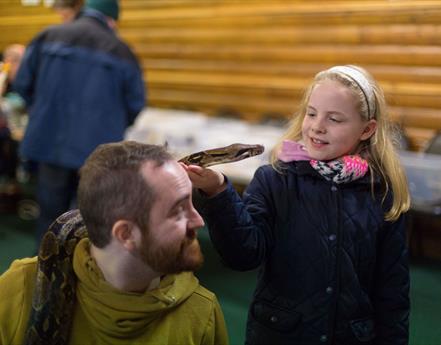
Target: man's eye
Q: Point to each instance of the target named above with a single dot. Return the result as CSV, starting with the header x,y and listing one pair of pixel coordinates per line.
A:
x,y
179,211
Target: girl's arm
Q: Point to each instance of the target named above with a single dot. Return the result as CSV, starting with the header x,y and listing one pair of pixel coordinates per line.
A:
x,y
391,299
240,231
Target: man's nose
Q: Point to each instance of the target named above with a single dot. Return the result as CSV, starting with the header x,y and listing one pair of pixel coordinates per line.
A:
x,y
195,221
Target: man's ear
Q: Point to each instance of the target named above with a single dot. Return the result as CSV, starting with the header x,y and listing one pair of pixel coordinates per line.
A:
x,y
112,23
124,232
369,129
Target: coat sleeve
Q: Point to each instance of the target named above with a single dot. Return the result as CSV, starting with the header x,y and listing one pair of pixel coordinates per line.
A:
x,y
241,230
24,83
216,330
391,297
134,91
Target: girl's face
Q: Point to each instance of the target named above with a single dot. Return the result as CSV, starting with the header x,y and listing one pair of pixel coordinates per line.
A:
x,y
332,126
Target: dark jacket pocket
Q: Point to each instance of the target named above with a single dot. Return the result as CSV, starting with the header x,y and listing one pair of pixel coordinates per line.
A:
x,y
274,317
363,329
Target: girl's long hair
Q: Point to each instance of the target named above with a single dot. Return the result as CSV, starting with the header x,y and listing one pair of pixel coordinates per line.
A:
x,y
379,150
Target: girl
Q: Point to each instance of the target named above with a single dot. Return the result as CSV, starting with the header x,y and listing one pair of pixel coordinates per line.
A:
x,y
324,222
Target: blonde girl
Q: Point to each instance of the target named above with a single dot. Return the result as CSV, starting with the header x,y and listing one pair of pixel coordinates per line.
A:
x,y
379,150
324,223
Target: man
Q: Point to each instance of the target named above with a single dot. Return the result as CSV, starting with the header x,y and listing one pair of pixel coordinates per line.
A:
x,y
134,284
83,87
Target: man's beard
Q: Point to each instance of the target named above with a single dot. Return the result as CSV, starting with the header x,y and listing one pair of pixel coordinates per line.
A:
x,y
174,257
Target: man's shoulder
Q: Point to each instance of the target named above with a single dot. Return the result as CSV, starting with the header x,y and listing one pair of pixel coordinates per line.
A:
x,y
22,264
16,288
206,294
191,288
19,271
88,33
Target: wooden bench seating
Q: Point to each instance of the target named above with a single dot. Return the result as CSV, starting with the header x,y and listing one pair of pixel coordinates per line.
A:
x,y
255,57
19,24
409,34
266,13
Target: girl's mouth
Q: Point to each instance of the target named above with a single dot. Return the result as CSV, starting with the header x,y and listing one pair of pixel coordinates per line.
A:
x,y
317,143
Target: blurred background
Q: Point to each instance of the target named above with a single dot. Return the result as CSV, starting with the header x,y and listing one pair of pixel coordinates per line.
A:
x,y
220,71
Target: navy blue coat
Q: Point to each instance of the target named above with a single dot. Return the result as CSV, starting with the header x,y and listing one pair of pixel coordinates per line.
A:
x,y
332,270
83,87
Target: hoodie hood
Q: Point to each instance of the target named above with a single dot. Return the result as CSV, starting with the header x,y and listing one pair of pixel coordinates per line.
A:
x,y
121,314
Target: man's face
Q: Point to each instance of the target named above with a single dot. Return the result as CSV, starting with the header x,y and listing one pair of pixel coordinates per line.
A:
x,y
170,244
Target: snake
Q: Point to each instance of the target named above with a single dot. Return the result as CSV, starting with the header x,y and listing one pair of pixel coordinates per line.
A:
x,y
53,298
221,155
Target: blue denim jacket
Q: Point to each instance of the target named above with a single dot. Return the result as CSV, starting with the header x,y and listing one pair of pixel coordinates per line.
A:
x,y
82,85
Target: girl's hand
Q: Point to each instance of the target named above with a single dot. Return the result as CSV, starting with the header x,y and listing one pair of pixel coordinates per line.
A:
x,y
211,182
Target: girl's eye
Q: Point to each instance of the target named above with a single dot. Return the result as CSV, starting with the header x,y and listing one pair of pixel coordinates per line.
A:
x,y
310,114
333,119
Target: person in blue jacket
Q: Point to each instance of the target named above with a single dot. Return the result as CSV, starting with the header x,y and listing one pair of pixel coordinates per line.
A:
x,y
83,87
324,222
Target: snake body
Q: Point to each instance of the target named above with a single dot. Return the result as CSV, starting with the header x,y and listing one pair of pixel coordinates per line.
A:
x,y
222,155
53,299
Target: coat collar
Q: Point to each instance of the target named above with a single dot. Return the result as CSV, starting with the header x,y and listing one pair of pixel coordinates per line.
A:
x,y
98,16
304,168
116,313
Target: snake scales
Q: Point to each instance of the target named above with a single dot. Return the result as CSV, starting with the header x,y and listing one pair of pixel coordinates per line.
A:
x,y
54,293
221,155
53,299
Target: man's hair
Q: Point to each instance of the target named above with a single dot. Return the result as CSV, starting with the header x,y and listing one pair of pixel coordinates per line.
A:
x,y
68,3
112,187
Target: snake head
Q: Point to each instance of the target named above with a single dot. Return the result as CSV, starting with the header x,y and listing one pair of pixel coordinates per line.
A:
x,y
247,151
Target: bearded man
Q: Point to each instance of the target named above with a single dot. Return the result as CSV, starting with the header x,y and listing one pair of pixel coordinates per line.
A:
x,y
135,249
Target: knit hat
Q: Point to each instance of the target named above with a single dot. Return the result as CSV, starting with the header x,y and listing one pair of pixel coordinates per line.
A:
x,y
110,8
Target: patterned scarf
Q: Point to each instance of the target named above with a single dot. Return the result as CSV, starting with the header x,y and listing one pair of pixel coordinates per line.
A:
x,y
342,170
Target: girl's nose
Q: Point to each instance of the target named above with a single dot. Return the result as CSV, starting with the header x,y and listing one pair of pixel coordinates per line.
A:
x,y
318,126
318,130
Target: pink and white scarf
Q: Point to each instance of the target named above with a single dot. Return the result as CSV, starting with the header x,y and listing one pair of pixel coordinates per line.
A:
x,y
341,170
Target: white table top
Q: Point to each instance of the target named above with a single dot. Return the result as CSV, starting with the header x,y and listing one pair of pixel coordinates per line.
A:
x,y
187,132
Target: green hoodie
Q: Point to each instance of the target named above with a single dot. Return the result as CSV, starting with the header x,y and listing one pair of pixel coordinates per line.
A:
x,y
179,311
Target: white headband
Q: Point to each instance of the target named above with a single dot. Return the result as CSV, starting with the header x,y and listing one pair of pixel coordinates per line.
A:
x,y
362,82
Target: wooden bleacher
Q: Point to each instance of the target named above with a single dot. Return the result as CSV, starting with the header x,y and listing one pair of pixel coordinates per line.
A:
x,y
255,57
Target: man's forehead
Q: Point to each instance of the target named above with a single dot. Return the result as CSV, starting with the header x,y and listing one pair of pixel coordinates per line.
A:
x,y
170,182
168,174
153,168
